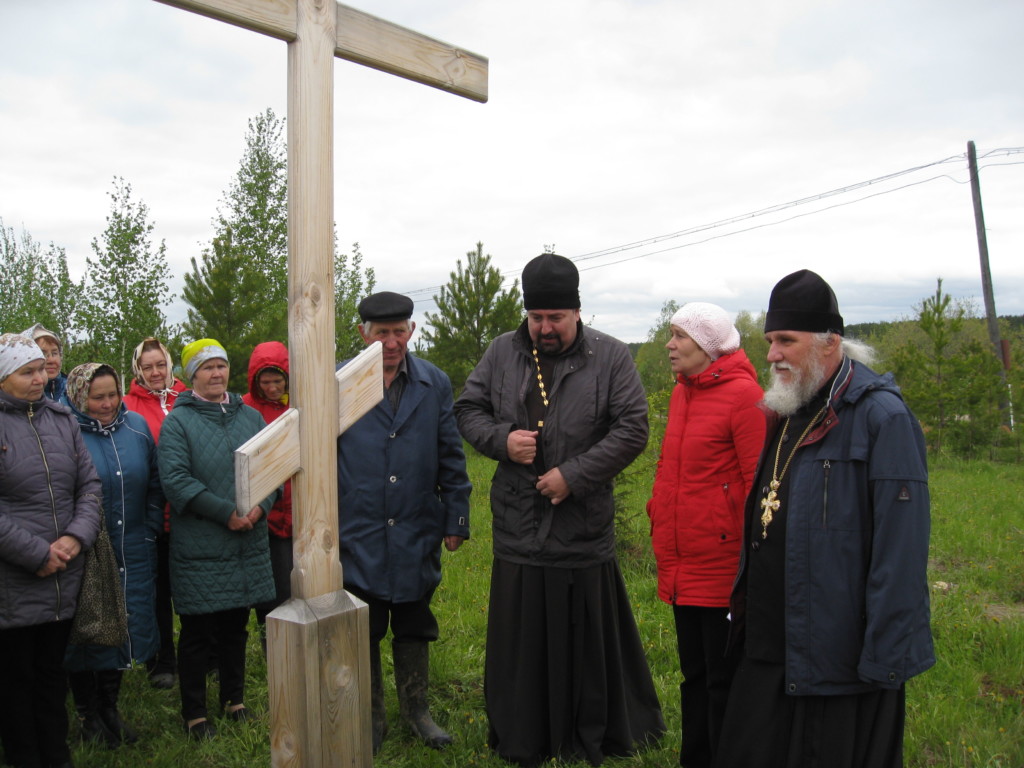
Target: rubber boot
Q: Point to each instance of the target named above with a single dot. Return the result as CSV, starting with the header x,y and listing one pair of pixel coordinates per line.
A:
x,y
412,664
84,690
377,711
109,682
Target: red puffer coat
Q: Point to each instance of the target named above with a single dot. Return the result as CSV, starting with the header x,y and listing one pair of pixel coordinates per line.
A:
x,y
708,458
274,355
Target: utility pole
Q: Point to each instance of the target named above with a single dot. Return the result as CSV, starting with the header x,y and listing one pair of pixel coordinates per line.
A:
x,y
986,278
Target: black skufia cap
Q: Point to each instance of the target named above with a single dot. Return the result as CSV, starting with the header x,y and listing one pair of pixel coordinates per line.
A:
x,y
803,301
551,281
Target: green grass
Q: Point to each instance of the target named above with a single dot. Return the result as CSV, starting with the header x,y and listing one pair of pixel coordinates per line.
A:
x,y
967,711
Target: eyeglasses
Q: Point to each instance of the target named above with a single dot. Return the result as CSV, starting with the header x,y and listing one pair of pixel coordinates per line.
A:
x,y
53,354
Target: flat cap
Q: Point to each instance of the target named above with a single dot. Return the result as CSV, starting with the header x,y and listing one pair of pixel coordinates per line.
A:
x,y
385,305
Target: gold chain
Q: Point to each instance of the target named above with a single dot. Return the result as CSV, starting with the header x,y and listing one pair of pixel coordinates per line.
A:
x,y
770,503
540,382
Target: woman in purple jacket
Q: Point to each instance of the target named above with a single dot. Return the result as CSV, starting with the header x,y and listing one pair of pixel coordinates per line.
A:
x,y
49,515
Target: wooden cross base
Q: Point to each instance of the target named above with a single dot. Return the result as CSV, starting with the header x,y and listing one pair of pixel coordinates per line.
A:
x,y
319,680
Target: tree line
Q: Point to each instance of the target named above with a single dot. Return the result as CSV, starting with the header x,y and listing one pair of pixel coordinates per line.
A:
x,y
236,291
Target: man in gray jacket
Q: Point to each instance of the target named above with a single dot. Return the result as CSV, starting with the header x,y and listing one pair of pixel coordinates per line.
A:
x,y
561,409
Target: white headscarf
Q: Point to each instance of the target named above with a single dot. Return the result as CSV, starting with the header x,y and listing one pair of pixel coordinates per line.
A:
x,y
16,351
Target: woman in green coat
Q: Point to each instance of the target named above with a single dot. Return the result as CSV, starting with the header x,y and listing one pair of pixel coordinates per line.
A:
x,y
220,561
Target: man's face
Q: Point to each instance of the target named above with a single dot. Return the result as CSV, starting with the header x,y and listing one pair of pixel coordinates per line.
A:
x,y
552,330
801,362
393,336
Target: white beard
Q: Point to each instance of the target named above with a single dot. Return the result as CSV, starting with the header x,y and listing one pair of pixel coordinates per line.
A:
x,y
788,397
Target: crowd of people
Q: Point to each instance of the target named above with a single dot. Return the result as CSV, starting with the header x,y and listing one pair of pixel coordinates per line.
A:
x,y
789,529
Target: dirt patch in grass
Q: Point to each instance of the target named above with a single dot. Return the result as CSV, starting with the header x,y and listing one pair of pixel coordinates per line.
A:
x,y
1002,612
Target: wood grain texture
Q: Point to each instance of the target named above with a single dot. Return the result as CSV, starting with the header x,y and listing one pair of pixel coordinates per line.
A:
x,y
360,385
383,45
275,18
266,460
324,644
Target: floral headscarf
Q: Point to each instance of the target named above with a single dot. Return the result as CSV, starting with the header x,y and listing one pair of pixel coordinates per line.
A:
x,y
80,379
137,364
17,350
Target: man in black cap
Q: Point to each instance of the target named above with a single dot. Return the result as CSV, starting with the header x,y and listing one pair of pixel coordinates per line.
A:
x,y
831,605
561,409
402,491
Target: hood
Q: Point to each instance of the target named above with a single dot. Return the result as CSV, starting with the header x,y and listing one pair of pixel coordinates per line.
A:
x,y
269,354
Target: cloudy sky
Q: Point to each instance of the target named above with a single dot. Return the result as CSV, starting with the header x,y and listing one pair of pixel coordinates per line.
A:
x,y
676,149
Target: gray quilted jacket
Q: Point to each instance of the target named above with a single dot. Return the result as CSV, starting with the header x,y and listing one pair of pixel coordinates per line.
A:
x,y
48,489
212,567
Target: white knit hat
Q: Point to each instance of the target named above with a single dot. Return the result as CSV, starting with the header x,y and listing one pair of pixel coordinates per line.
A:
x,y
710,326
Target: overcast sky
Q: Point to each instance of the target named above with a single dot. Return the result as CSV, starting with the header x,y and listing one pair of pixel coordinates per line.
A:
x,y
636,136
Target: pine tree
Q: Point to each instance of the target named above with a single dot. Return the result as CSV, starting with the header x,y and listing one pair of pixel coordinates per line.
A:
x,y
125,283
472,312
351,285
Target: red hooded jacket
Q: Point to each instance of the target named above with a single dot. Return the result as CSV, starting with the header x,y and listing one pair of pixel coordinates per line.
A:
x,y
271,354
708,459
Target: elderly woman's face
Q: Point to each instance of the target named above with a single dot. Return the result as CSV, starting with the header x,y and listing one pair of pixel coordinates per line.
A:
x,y
153,365
52,353
103,400
210,382
27,382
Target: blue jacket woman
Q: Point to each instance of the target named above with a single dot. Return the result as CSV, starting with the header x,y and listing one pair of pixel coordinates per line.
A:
x,y
124,454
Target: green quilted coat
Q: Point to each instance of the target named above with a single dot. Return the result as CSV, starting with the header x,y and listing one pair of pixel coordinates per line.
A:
x,y
212,567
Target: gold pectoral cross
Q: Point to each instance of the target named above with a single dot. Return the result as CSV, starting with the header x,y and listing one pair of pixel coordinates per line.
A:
x,y
769,504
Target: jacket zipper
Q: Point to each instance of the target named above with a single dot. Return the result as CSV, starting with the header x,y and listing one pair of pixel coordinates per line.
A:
x,y
53,502
827,467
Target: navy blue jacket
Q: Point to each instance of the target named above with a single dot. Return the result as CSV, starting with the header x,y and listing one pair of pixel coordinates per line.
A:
x,y
124,455
857,528
402,487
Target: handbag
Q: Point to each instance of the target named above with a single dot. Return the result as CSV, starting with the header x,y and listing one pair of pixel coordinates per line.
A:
x,y
101,617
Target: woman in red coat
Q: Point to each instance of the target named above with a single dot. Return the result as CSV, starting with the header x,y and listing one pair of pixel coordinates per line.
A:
x,y
708,457
268,394
152,394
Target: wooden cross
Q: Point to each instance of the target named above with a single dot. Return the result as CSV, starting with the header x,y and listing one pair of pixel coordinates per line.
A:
x,y
318,643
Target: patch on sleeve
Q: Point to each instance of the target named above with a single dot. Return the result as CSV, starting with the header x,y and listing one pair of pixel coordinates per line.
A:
x,y
904,494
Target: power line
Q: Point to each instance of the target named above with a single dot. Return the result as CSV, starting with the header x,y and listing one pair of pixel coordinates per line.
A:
x,y
777,208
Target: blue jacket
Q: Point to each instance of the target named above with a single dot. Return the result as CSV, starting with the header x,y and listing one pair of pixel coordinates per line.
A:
x,y
124,455
402,487
857,527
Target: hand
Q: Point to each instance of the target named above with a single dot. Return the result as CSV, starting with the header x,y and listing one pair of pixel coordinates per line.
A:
x,y
255,514
62,551
552,485
239,522
522,446
68,545
451,543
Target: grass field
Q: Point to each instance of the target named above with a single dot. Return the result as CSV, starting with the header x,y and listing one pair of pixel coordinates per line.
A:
x,y
967,711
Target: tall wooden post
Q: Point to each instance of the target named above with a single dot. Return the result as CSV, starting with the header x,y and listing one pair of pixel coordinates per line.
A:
x,y
318,642
986,278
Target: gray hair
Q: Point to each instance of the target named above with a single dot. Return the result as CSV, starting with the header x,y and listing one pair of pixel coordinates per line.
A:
x,y
368,326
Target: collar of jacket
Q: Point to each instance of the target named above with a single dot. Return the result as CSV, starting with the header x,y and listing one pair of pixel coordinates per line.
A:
x,y
9,403
89,424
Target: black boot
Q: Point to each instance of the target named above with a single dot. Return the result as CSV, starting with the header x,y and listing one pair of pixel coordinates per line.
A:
x,y
379,718
412,664
109,682
84,690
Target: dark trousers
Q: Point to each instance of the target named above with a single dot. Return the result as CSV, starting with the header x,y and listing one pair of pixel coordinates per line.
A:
x,y
701,635
409,622
33,687
201,633
164,661
281,563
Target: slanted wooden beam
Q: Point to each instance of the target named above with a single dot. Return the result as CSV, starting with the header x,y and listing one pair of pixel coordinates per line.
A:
x,y
272,455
